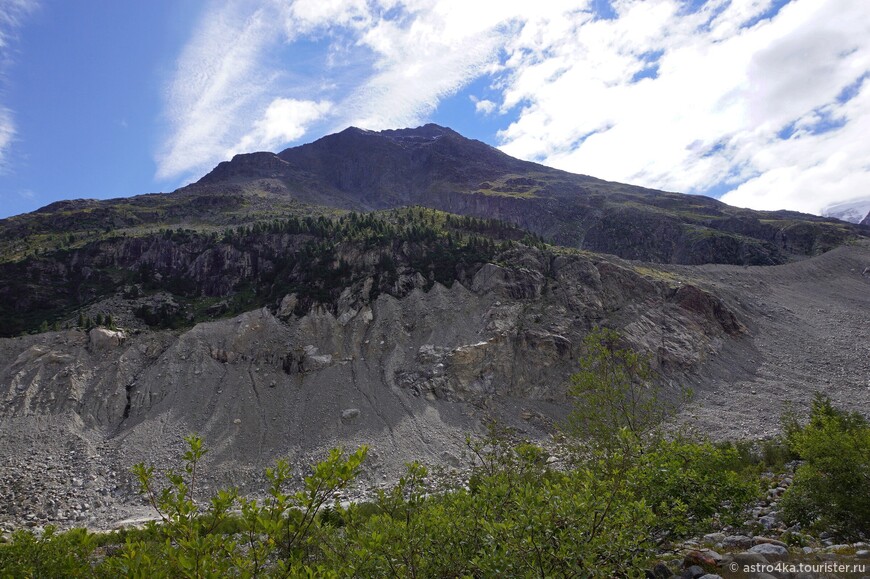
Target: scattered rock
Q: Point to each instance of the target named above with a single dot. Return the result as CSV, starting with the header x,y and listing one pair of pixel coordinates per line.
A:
x,y
692,572
737,542
749,558
349,414
772,553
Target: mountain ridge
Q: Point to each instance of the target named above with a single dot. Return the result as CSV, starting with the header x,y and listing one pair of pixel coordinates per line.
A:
x,y
436,167
260,309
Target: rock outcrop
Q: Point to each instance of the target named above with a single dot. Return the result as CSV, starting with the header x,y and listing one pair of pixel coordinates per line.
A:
x,y
410,376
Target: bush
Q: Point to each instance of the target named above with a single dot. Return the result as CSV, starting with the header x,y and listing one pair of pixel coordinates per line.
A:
x,y
618,409
50,555
831,489
689,484
517,518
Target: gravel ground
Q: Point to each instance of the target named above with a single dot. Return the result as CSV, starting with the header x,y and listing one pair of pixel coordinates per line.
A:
x,y
806,331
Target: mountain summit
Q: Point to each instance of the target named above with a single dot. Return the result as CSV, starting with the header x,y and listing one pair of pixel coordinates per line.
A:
x,y
436,167
357,290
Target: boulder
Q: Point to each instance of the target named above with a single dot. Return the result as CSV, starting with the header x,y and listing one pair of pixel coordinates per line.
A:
x,y
700,559
661,571
692,572
750,559
101,338
349,414
772,553
737,541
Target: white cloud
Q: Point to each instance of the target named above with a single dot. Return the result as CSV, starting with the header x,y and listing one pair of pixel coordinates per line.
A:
x,y
483,106
216,89
284,121
712,113
726,96
7,133
12,15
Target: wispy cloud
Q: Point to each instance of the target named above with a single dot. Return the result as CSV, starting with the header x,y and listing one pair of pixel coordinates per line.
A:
x,y
729,78
12,16
284,121
7,133
388,64
217,86
766,100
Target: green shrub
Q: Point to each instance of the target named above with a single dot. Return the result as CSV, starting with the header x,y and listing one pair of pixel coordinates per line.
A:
x,y
618,409
613,390
50,555
688,484
518,518
831,489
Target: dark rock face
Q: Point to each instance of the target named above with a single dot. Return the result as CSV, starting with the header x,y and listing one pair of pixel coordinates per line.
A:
x,y
866,220
276,328
436,167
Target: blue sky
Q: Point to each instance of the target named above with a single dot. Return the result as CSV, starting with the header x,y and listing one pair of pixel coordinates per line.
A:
x,y
764,103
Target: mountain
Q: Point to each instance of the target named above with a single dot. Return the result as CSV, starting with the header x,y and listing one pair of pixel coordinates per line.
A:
x,y
397,289
866,220
436,167
853,211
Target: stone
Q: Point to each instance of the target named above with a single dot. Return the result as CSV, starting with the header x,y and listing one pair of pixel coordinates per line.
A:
x,y
710,576
713,555
749,558
862,554
692,572
661,571
772,553
737,541
714,538
349,414
768,521
759,540
699,559
101,338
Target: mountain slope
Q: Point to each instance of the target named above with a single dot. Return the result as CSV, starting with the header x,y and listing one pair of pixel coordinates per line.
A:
x,y
436,167
256,309
851,211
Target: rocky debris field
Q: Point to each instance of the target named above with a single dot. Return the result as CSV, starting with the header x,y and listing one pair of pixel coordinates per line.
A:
x,y
809,333
412,377
764,547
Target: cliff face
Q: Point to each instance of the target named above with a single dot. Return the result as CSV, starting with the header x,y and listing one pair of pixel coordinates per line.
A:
x,y
436,167
253,308
410,375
